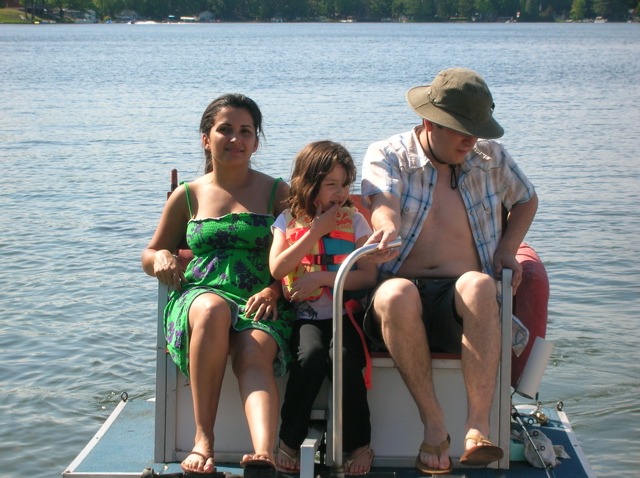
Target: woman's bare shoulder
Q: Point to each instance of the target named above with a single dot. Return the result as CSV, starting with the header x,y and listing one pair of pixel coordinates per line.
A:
x,y
260,177
201,180
265,183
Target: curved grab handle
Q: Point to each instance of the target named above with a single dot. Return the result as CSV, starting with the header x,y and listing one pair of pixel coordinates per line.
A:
x,y
338,287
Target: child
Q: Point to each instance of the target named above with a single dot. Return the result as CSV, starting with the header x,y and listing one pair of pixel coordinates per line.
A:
x,y
319,228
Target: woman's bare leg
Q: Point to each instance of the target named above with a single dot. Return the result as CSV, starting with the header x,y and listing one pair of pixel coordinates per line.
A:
x,y
209,323
253,352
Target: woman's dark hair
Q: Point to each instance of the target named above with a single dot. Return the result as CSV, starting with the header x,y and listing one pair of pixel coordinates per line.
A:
x,y
312,165
230,100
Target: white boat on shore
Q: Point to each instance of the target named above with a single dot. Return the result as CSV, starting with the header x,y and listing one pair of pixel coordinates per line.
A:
x,y
149,438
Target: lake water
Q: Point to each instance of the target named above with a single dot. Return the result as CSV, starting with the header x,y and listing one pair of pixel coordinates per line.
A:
x,y
93,118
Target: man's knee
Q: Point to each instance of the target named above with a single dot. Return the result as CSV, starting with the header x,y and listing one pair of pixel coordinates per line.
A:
x,y
476,285
478,292
397,298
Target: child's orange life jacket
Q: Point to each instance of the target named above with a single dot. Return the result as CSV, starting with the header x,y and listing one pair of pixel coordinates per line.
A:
x,y
326,255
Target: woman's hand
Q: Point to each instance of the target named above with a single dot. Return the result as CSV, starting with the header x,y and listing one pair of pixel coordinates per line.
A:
x,y
166,268
262,305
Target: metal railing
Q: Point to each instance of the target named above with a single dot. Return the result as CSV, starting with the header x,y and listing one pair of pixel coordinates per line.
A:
x,y
338,287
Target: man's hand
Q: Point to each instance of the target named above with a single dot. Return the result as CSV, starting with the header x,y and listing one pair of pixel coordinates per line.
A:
x,y
505,260
383,253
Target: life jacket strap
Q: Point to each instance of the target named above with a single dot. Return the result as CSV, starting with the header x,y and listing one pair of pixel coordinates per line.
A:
x,y
324,259
355,306
345,236
296,234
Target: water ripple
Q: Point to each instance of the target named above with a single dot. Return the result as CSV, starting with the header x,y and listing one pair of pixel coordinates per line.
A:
x,y
86,152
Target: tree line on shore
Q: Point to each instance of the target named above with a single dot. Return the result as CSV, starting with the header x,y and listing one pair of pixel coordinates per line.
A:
x,y
360,10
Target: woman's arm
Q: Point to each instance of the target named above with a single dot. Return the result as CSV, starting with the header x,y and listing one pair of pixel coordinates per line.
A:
x,y
157,258
264,304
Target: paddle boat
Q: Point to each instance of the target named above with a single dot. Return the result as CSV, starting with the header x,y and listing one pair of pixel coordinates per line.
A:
x,y
145,438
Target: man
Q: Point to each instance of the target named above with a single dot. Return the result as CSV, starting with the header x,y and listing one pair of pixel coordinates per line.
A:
x,y
442,190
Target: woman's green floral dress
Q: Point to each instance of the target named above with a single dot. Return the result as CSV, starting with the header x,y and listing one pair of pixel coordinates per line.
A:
x,y
231,259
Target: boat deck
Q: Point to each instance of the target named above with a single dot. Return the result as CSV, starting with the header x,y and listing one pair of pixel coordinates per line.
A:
x,y
124,447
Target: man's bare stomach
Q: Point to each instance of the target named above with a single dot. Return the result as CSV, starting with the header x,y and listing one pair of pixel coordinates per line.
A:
x,y
419,264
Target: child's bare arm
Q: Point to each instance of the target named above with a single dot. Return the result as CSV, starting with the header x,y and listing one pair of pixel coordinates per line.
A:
x,y
284,258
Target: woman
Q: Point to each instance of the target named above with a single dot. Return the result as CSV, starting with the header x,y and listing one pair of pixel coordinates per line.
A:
x,y
225,302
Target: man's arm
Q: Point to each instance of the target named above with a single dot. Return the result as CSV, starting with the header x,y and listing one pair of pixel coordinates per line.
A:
x,y
518,222
385,219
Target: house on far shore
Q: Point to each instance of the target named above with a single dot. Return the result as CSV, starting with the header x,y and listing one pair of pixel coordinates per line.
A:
x,y
206,17
83,17
127,16
77,16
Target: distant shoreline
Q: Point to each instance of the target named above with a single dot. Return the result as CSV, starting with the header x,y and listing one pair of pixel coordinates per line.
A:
x,y
18,17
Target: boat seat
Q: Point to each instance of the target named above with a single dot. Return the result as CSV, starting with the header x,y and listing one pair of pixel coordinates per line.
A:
x,y
396,429
174,423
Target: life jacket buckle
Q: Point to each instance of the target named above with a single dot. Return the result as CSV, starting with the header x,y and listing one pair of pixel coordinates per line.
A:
x,y
324,260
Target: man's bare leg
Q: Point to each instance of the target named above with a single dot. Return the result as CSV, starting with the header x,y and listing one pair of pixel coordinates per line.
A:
x,y
398,308
476,303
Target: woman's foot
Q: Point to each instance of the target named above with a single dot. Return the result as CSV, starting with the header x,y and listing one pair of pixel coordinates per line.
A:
x,y
197,462
287,459
359,461
261,461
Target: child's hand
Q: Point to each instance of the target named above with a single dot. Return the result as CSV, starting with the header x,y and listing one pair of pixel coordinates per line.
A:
x,y
325,222
306,285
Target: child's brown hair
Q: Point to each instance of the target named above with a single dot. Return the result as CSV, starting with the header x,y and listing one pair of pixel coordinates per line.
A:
x,y
312,164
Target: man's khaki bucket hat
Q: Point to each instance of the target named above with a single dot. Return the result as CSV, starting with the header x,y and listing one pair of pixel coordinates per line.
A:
x,y
458,99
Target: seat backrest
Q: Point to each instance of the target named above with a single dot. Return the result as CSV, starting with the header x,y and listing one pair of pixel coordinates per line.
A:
x,y
356,199
184,253
530,302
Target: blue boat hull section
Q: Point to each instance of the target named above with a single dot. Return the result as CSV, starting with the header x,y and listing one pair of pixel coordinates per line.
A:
x,y
125,448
